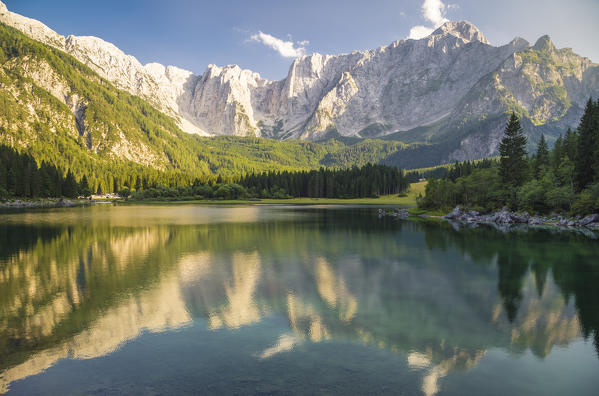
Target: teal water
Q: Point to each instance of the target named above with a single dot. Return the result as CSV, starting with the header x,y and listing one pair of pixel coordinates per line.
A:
x,y
291,300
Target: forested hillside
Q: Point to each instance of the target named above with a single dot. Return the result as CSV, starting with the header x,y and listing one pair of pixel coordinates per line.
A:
x,y
57,112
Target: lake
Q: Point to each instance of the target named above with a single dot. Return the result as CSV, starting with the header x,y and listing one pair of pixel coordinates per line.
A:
x,y
263,299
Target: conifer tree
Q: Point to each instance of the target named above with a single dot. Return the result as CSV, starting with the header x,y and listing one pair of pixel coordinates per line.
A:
x,y
587,142
557,153
570,145
541,158
512,149
596,142
84,187
69,186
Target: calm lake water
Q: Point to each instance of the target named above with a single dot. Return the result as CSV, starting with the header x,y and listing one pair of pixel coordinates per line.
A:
x,y
291,300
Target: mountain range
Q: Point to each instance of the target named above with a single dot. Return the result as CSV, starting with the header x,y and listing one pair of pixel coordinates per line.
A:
x,y
446,95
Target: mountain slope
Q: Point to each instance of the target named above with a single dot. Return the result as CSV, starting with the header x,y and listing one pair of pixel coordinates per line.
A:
x,y
448,92
443,84
545,86
56,107
158,85
58,110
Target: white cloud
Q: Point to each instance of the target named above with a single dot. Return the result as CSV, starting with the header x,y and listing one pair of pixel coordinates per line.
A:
x,y
434,12
286,49
418,32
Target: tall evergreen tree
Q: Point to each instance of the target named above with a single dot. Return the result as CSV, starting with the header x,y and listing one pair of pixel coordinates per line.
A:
x,y
587,142
69,186
84,187
541,158
512,149
570,144
557,153
596,142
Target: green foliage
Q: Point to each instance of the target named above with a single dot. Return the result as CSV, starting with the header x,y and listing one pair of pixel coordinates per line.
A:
x,y
587,162
20,176
362,153
587,201
480,189
533,194
450,171
541,159
512,151
367,181
551,187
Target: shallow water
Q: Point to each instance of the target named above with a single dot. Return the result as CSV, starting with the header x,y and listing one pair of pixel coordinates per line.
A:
x,y
291,300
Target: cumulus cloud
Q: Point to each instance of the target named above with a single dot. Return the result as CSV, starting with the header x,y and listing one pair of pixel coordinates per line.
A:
x,y
287,49
418,32
433,11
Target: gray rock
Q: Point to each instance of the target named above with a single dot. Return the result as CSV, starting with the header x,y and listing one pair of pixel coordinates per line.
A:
x,y
521,218
594,218
456,214
504,217
403,213
534,220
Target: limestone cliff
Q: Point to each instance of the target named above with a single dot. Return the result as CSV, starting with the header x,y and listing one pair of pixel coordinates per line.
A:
x,y
452,87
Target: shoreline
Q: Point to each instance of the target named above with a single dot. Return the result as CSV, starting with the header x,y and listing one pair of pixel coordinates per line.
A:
x,y
285,201
503,217
44,203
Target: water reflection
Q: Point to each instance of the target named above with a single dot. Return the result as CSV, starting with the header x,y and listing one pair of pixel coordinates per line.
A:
x,y
440,296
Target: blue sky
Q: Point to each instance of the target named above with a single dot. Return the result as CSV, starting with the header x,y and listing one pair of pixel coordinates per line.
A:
x,y
192,34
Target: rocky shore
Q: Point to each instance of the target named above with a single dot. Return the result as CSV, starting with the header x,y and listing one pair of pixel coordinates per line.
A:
x,y
505,216
42,203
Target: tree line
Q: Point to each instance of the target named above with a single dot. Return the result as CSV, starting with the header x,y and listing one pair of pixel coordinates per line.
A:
x,y
357,182
562,179
450,171
20,176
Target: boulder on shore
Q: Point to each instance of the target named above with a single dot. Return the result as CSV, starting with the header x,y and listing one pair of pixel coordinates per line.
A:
x,y
505,216
456,214
594,218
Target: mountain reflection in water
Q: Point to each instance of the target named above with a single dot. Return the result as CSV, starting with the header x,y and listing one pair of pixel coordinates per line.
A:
x,y
79,284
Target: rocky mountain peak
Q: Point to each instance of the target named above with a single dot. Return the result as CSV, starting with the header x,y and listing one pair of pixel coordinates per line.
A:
x,y
233,72
519,42
31,27
451,81
544,43
461,29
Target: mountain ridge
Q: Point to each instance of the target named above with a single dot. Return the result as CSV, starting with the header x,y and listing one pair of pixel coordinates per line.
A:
x,y
446,84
